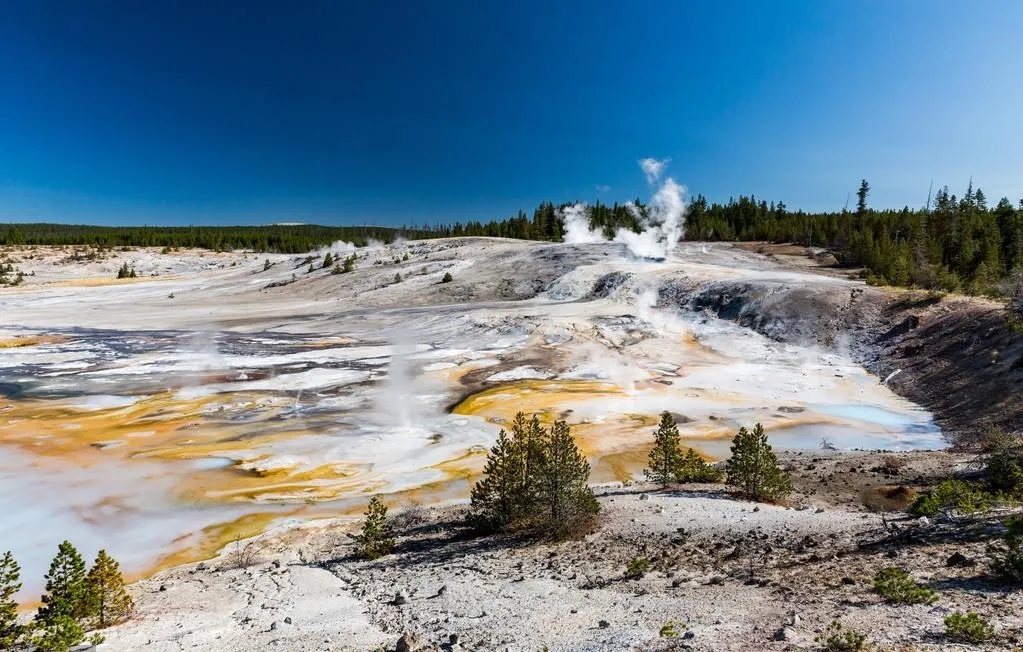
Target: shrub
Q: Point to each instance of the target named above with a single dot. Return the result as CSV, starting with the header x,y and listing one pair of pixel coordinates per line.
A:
x,y
376,538
968,628
397,277
753,468
637,568
897,587
328,260
1003,464
837,639
1007,559
671,630
447,278
952,495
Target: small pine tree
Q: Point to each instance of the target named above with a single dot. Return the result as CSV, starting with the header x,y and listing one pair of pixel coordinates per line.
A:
x,y
1007,559
666,457
376,538
11,631
132,273
447,278
493,505
563,493
328,260
397,277
311,269
66,602
694,468
505,497
349,265
108,596
267,264
753,468
122,271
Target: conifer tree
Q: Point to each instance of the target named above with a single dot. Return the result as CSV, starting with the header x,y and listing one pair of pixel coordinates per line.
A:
x,y
753,468
666,457
533,477
66,589
11,632
562,476
861,198
494,503
108,597
66,603
328,260
376,538
694,468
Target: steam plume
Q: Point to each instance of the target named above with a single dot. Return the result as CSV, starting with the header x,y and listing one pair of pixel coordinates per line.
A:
x,y
662,224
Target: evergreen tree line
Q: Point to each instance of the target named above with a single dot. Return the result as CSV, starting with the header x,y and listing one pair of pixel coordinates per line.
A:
x,y
275,238
954,243
75,601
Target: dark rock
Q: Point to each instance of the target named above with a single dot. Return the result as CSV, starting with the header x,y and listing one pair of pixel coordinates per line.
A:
x,y
959,560
785,634
603,624
409,642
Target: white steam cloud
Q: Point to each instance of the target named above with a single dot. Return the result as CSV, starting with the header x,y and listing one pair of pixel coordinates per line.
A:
x,y
662,224
653,168
577,226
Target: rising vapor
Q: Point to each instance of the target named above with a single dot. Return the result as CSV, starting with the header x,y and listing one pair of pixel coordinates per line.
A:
x,y
662,224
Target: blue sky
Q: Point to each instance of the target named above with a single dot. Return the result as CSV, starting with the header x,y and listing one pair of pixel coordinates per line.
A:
x,y
373,112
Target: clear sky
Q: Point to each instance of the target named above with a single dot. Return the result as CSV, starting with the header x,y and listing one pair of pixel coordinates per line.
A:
x,y
207,111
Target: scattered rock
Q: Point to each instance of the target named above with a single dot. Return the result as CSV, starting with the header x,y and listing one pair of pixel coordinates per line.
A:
x,y
399,599
603,624
409,642
959,560
785,634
